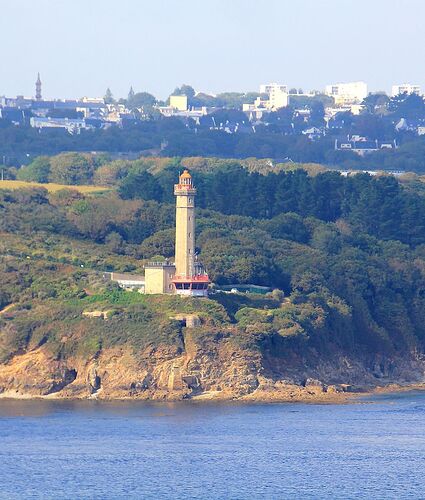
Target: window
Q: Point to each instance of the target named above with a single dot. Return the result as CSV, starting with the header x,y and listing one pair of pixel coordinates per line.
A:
x,y
190,235
179,286
186,286
190,200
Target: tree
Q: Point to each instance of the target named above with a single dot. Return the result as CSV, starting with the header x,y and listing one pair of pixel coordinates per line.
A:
x,y
317,114
115,242
288,226
372,127
327,239
95,218
186,90
376,103
108,97
202,99
161,243
141,185
408,106
37,171
111,173
231,99
250,97
141,100
302,101
71,168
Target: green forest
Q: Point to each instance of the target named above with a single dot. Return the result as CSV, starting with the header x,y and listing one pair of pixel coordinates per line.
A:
x,y
345,256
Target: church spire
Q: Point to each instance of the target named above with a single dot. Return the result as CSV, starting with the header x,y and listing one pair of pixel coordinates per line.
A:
x,y
38,88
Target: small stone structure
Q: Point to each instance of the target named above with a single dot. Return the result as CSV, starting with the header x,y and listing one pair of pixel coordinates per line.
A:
x,y
189,320
96,314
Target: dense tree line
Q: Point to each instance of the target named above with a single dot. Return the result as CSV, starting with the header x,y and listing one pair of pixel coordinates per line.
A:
x,y
379,206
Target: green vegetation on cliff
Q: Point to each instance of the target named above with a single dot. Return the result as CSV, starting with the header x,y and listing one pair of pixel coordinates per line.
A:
x,y
346,257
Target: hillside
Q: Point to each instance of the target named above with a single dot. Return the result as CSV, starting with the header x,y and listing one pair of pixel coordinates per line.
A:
x,y
345,258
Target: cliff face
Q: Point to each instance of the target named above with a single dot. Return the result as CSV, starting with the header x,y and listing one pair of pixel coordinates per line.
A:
x,y
210,366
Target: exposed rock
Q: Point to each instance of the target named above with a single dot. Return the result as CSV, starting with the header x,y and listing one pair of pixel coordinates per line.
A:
x,y
210,367
313,383
188,320
96,314
93,380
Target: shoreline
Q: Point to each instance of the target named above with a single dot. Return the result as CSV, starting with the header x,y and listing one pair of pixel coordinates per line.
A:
x,y
261,397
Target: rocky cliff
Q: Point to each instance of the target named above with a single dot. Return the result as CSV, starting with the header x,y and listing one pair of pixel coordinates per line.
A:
x,y
203,366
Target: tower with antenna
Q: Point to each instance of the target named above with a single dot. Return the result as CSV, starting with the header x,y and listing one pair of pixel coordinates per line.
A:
x,y
38,96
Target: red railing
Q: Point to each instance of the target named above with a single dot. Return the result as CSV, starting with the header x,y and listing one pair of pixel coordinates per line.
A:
x,y
203,278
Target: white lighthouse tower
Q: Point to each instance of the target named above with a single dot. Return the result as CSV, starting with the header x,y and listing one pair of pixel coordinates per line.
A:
x,y
185,276
190,278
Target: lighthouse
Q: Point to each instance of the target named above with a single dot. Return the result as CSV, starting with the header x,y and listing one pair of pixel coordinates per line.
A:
x,y
190,278
186,275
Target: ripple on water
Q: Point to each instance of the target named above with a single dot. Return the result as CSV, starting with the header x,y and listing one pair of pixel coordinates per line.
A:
x,y
53,449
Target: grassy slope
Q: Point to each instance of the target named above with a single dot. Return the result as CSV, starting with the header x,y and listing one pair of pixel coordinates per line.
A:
x,y
51,187
67,250
50,290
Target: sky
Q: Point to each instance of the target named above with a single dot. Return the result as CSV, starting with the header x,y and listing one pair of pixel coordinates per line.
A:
x,y
81,47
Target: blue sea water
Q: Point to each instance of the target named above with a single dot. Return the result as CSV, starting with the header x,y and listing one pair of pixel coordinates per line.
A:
x,y
73,450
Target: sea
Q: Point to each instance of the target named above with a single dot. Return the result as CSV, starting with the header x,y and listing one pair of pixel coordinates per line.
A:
x,y
372,448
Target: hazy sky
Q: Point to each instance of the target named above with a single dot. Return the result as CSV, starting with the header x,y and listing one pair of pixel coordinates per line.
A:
x,y
81,47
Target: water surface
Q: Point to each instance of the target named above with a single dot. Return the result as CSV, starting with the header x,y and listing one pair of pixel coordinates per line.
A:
x,y
59,449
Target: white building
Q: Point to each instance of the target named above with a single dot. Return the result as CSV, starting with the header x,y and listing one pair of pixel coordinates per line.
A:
x,y
405,88
93,100
72,126
347,93
266,88
277,97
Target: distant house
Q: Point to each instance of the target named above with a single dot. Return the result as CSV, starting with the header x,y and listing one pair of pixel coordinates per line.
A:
x,y
253,113
348,173
127,281
192,112
332,113
15,115
72,126
362,145
314,133
405,88
88,107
